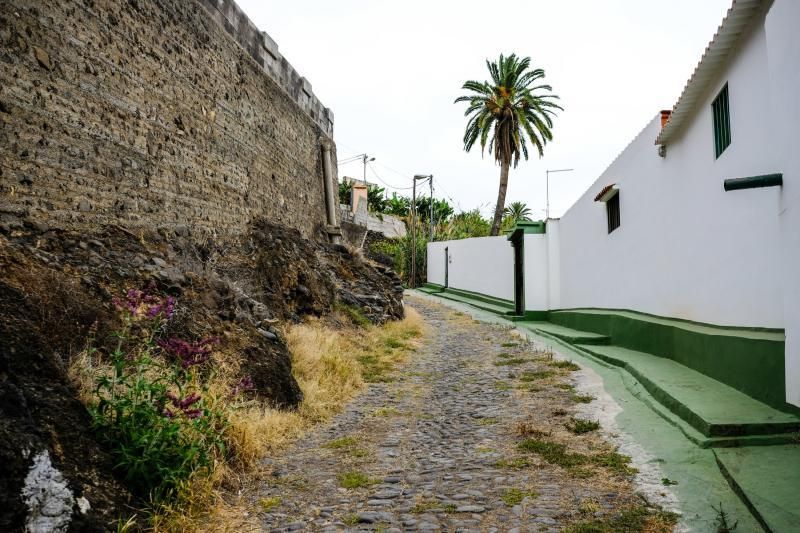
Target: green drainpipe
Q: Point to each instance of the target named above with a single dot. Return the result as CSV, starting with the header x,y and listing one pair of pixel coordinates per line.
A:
x,y
754,182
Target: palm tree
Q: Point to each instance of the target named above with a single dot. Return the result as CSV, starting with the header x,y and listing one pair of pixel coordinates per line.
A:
x,y
517,211
510,110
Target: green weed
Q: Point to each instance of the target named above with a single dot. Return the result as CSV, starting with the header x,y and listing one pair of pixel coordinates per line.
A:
x,y
582,398
342,442
722,520
565,365
635,518
268,504
580,426
512,361
354,313
557,454
518,463
355,480
513,497
533,375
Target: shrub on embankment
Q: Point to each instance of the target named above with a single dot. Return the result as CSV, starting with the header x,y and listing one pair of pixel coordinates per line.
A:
x,y
56,293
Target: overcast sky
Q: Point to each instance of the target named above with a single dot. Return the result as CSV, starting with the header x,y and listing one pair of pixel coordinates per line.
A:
x,y
391,70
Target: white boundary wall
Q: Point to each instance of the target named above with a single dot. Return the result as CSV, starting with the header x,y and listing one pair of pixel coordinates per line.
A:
x,y
783,51
482,264
685,247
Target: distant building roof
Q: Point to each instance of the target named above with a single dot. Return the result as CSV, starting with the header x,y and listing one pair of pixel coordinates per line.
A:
x,y
739,16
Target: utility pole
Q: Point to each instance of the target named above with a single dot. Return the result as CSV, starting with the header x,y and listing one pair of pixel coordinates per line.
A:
x,y
430,217
366,159
414,227
547,179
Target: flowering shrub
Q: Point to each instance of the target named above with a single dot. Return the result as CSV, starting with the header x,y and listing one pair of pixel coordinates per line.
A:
x,y
154,409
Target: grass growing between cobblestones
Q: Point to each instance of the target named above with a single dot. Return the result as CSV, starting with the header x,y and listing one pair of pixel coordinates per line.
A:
x,y
343,442
513,497
564,365
355,480
533,375
427,505
580,426
556,453
517,463
632,519
268,504
511,361
582,398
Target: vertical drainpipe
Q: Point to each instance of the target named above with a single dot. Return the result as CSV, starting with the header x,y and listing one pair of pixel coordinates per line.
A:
x,y
330,205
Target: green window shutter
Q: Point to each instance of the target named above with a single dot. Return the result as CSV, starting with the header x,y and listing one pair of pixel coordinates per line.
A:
x,y
720,112
612,212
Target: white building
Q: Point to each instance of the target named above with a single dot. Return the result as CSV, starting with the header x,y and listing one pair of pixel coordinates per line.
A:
x,y
659,234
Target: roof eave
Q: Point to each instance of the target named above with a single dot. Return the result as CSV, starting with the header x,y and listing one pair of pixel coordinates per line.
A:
x,y
714,59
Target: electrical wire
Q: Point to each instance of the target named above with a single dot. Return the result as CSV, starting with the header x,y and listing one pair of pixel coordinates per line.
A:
x,y
385,183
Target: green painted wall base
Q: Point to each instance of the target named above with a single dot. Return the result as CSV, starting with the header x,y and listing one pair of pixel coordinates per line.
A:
x,y
748,359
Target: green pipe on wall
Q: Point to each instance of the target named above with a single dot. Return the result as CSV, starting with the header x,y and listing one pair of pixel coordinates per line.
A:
x,y
754,182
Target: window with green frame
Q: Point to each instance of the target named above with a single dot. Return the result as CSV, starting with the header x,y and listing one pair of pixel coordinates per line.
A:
x,y
722,121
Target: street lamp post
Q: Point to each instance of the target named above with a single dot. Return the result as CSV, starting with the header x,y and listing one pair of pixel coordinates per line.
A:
x,y
366,159
547,194
414,225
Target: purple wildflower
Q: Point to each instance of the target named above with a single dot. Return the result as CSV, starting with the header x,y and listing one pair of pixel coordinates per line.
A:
x,y
145,304
193,413
188,353
244,385
182,405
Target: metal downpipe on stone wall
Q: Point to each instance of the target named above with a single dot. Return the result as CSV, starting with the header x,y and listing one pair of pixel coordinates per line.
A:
x,y
330,206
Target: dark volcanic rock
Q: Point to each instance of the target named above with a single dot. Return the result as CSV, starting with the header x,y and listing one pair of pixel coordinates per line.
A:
x,y
56,288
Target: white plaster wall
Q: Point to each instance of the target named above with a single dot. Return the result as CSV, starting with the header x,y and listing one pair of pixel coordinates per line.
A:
x,y
783,51
436,259
553,264
537,276
481,264
685,247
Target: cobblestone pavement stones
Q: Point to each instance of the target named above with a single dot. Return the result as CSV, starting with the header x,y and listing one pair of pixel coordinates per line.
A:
x,y
435,449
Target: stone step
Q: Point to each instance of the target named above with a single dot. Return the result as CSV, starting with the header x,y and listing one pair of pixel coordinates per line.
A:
x,y
572,336
711,407
485,305
766,479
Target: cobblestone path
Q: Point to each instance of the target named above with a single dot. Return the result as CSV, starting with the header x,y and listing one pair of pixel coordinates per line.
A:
x,y
437,448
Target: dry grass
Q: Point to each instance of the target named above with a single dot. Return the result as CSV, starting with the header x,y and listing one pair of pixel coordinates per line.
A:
x,y
330,363
331,366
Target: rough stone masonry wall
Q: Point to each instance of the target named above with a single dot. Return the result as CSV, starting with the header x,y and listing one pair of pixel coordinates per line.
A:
x,y
149,113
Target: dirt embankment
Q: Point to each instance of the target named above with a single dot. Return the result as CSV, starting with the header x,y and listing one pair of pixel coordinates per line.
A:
x,y
56,290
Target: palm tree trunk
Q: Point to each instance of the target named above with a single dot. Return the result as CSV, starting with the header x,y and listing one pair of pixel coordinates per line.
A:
x,y
501,198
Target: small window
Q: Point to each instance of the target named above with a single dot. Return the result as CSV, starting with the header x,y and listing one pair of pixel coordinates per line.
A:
x,y
722,121
612,210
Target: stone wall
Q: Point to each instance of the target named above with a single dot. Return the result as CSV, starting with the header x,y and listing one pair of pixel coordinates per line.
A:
x,y
389,226
150,113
